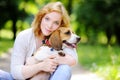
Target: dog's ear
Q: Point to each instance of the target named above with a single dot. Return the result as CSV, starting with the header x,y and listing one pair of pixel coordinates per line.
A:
x,y
55,40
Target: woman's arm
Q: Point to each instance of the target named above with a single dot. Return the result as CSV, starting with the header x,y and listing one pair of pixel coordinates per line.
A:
x,y
48,65
21,71
18,59
67,59
70,57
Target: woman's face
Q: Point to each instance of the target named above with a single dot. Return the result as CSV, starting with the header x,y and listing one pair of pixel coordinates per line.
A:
x,y
50,22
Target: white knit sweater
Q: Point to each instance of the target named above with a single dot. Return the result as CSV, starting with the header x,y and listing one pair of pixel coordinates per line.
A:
x,y
24,47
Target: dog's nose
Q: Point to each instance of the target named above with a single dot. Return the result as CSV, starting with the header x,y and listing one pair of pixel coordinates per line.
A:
x,y
78,39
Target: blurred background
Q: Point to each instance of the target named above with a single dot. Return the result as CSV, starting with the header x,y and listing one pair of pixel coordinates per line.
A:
x,y
96,21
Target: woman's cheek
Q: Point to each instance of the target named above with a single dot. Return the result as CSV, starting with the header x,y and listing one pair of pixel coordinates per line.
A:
x,y
56,27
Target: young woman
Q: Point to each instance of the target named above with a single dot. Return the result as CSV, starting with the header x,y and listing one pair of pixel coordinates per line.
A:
x,y
48,19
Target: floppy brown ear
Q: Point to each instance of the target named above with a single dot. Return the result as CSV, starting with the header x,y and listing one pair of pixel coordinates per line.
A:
x,y
55,40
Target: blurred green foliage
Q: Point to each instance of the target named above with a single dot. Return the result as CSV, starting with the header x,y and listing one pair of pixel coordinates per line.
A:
x,y
101,59
89,18
98,16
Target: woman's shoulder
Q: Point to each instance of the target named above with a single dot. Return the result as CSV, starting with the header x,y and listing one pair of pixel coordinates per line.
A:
x,y
25,34
26,31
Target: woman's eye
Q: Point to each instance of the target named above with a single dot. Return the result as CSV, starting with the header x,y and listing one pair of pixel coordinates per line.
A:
x,y
47,19
57,23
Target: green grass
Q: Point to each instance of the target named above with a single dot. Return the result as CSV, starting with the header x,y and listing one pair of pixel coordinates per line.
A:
x,y
6,41
101,59
5,44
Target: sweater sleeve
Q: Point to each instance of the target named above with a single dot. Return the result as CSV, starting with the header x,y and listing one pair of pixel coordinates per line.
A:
x,y
72,52
18,56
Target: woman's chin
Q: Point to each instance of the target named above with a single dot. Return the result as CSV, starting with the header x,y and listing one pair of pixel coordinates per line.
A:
x,y
47,34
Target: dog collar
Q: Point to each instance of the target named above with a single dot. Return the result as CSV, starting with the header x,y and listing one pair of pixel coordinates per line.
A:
x,y
52,49
46,41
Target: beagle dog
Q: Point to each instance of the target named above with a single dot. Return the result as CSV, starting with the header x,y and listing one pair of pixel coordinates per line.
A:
x,y
58,41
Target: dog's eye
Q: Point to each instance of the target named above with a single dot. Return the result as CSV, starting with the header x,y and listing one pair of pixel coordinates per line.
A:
x,y
68,32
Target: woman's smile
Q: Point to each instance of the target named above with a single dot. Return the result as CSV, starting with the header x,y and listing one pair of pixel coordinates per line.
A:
x,y
48,30
50,23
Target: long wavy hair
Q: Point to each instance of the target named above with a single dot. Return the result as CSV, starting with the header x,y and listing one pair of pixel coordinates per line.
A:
x,y
50,7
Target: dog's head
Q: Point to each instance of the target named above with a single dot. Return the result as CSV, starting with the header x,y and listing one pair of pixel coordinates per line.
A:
x,y
63,37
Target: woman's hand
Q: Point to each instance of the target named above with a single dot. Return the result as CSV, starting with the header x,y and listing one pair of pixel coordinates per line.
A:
x,y
50,64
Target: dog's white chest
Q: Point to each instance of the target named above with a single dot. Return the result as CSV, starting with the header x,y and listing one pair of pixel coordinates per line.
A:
x,y
44,52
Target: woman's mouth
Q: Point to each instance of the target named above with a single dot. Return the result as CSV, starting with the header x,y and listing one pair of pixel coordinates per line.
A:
x,y
48,30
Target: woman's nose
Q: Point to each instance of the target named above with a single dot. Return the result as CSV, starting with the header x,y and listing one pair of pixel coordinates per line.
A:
x,y
50,25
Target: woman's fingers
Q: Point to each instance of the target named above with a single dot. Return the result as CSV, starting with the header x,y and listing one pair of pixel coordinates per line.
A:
x,y
53,68
52,57
50,64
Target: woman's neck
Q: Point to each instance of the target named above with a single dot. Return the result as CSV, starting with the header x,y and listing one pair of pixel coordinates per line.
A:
x,y
39,41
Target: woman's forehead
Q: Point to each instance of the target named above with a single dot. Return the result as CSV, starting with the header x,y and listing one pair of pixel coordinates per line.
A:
x,y
55,15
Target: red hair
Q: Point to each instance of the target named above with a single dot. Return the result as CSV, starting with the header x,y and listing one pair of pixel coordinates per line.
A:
x,y
50,7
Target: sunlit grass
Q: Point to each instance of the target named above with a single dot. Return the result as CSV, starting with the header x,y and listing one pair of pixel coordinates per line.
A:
x,y
109,72
5,44
101,59
6,41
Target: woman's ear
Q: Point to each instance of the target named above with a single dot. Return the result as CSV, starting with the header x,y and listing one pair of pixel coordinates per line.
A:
x,y
55,40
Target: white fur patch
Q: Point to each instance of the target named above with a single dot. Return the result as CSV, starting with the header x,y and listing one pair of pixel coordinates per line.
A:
x,y
44,52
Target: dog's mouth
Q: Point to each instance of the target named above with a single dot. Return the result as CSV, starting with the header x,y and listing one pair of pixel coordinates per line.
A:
x,y
73,45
